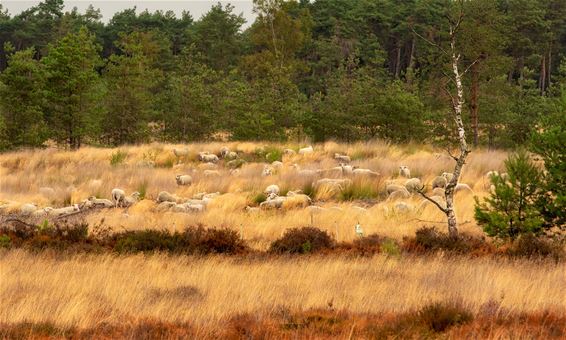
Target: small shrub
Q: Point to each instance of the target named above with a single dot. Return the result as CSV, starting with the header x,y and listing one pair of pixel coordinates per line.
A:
x,y
272,154
144,241
302,241
441,316
358,190
528,245
429,239
168,163
236,163
142,189
259,198
5,241
390,247
118,157
309,189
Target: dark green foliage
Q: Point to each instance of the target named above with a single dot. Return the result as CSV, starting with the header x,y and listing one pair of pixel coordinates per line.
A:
x,y
510,210
302,241
549,144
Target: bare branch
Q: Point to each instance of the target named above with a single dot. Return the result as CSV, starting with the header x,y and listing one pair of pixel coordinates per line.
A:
x,y
451,155
472,64
430,42
421,192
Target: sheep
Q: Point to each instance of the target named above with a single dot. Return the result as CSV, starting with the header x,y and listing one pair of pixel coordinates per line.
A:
x,y
404,171
335,172
231,155
438,199
277,165
390,188
184,179
462,187
395,195
365,172
207,157
224,151
180,152
439,182
274,202
438,192
250,210
315,209
272,189
347,170
28,209
235,172
63,211
413,185
267,171
448,176
118,196
289,152
86,204
163,206
235,163
101,202
195,207
309,149
131,200
342,158
297,200
41,212
164,196
333,182
211,173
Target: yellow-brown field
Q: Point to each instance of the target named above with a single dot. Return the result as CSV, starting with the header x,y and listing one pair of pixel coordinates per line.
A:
x,y
90,292
77,175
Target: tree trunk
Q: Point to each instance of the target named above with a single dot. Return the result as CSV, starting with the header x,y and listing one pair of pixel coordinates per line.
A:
x,y
549,67
398,61
474,102
542,79
411,67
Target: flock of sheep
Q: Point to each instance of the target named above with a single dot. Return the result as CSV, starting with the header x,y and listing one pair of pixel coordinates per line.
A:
x,y
333,179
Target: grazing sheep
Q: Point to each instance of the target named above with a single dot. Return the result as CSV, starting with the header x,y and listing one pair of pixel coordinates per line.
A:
x,y
64,211
339,183
41,212
250,210
164,196
235,172
28,209
86,204
131,200
404,171
184,179
101,202
273,201
224,151
307,150
211,173
235,163
462,187
297,200
231,155
365,172
347,170
277,165
272,189
448,176
438,192
334,172
342,158
118,196
289,152
180,152
195,208
390,188
210,195
413,185
439,182
207,157
164,206
267,170
399,194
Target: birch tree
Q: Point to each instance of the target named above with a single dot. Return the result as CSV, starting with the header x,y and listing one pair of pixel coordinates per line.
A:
x,y
457,103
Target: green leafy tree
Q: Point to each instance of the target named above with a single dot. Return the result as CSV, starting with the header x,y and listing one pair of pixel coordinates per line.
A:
x,y
511,208
72,87
21,97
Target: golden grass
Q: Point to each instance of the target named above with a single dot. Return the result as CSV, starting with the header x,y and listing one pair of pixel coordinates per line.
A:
x,y
77,175
83,291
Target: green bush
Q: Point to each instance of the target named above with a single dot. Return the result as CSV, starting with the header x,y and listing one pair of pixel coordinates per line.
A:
x,y
302,241
5,241
118,157
511,208
259,198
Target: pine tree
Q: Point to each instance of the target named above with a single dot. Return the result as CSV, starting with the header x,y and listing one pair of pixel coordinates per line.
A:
x,y
72,88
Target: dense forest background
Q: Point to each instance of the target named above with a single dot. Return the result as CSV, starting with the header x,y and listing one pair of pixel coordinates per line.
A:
x,y
327,69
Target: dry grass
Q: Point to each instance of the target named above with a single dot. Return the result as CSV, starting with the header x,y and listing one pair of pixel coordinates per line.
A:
x,y
85,291
77,175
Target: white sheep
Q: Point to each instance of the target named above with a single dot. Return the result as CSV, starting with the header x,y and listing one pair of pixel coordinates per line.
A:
x,y
164,206
402,207
267,170
315,209
413,185
207,157
235,172
365,172
232,155
448,176
460,187
392,187
309,149
335,172
28,209
439,192
297,200
272,189
131,200
347,170
211,173
404,171
164,196
250,210
439,182
180,152
184,179
338,183
42,212
224,151
118,196
63,211
101,202
277,165
342,158
399,194
273,201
